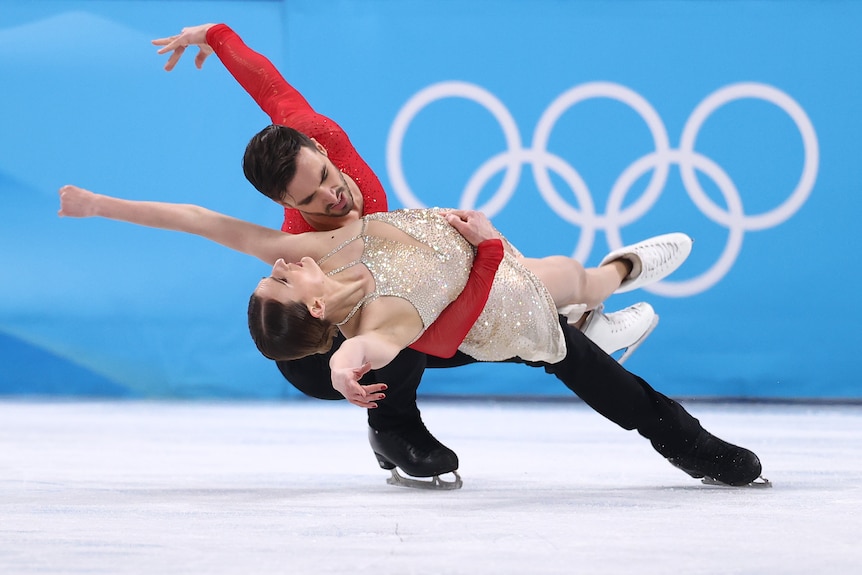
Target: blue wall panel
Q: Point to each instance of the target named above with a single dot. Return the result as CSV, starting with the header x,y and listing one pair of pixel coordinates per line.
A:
x,y
577,125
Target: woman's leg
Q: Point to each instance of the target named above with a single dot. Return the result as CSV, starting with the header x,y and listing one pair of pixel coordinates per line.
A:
x,y
625,269
569,282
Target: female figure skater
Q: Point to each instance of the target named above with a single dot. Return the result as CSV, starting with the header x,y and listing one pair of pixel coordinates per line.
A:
x,y
382,280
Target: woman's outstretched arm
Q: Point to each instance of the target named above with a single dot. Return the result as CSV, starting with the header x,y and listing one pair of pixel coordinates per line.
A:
x,y
263,243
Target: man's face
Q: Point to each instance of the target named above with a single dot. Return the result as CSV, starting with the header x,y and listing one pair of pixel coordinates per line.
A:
x,y
318,188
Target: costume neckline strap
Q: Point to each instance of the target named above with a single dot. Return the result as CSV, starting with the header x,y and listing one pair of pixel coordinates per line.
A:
x,y
340,247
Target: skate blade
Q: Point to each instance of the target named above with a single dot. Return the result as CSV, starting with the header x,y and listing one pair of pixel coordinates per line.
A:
x,y
631,349
434,484
761,484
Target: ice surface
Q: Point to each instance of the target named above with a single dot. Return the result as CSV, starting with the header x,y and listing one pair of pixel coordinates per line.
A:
x,y
152,487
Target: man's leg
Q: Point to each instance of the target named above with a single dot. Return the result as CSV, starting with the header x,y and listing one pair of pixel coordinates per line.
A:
x,y
631,403
310,375
396,432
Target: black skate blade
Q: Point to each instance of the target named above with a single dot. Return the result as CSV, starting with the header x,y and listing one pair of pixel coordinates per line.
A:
x,y
433,484
759,483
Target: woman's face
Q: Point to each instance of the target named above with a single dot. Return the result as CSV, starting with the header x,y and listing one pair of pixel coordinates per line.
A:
x,y
301,281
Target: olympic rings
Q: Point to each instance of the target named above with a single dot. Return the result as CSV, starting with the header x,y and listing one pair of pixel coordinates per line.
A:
x,y
659,162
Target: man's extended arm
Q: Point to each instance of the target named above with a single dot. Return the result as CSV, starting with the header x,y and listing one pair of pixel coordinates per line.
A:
x,y
254,72
259,77
443,337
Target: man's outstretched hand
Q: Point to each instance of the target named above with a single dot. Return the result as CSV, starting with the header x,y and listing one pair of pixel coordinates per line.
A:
x,y
193,36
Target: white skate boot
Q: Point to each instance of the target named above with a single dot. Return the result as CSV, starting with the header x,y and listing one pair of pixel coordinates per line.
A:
x,y
652,259
622,330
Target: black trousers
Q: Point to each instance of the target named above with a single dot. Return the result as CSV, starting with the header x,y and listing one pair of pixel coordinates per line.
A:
x,y
590,373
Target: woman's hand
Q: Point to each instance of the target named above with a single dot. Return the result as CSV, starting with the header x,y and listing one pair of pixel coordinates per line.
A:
x,y
346,382
193,36
77,202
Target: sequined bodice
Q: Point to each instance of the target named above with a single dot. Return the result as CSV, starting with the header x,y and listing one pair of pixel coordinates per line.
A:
x,y
422,274
519,319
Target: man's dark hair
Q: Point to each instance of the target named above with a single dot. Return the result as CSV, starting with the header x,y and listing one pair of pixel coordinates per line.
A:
x,y
269,162
287,331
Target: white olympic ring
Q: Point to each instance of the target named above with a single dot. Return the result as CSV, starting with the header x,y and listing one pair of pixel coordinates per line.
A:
x,y
659,161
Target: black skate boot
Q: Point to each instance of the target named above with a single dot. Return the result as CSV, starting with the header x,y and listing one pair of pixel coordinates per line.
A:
x,y
718,462
416,452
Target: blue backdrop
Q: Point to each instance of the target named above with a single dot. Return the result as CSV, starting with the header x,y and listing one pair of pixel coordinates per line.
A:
x,y
578,126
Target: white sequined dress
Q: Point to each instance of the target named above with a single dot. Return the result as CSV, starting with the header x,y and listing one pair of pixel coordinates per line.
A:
x,y
520,318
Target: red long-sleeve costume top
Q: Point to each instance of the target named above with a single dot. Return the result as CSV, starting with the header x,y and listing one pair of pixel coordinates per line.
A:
x,y
287,107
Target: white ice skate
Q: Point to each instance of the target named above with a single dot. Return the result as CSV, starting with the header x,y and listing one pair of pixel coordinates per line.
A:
x,y
622,330
652,259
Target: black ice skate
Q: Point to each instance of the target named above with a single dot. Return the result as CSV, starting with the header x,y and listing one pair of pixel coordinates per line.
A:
x,y
418,454
717,462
